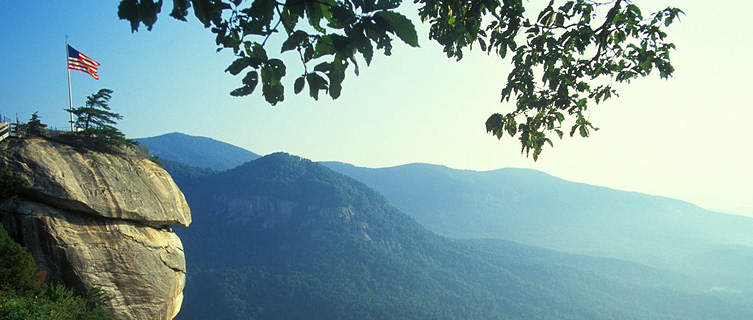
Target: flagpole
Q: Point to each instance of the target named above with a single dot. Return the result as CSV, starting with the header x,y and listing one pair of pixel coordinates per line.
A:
x,y
70,96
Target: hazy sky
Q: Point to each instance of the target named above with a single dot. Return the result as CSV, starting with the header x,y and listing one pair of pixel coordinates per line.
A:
x,y
688,138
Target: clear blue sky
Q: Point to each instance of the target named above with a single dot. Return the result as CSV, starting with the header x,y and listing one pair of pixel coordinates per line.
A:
x,y
687,138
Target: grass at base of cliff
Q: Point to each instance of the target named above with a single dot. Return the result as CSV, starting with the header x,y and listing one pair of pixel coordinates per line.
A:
x,y
56,303
24,297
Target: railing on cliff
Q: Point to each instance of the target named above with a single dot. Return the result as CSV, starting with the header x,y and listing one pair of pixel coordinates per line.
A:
x,y
4,130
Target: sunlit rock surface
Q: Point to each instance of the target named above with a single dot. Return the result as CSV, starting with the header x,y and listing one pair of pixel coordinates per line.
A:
x,y
122,187
101,220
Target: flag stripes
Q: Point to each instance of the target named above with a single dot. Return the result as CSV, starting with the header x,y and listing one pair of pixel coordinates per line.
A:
x,y
81,62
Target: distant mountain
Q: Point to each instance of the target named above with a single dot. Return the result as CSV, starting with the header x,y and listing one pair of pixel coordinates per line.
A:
x,y
200,152
182,173
282,237
532,207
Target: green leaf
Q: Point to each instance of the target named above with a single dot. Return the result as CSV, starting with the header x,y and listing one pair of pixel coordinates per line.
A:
x,y
569,5
257,54
503,50
291,12
251,79
323,67
276,68
482,44
494,125
560,116
400,26
582,103
314,12
308,53
263,10
249,84
341,17
273,93
559,19
367,50
129,10
536,153
148,10
545,17
296,38
180,9
324,46
136,12
271,74
336,77
201,10
298,86
355,64
242,91
316,83
238,65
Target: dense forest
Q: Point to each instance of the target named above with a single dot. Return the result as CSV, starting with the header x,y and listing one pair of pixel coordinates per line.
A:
x,y
282,237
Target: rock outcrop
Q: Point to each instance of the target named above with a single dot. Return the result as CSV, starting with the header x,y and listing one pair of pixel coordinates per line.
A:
x,y
102,220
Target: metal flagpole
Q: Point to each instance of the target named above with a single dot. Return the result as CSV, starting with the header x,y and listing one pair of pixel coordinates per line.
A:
x,y
70,96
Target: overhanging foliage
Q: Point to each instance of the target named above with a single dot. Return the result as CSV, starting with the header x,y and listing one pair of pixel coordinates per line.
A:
x,y
566,59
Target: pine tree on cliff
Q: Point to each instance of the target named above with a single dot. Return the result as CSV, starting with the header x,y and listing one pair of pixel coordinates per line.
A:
x,y
34,126
95,121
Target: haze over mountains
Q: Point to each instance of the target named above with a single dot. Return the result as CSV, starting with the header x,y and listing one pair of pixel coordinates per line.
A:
x,y
532,207
282,231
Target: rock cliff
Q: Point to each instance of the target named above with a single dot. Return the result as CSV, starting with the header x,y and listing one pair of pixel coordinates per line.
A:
x,y
100,219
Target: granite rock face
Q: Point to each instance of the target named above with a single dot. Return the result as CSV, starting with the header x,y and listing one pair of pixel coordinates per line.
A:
x,y
100,220
122,187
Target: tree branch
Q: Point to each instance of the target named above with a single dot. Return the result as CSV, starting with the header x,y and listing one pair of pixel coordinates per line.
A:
x,y
271,31
298,47
604,29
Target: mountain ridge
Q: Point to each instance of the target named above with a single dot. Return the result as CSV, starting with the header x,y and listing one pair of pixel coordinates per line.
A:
x,y
554,213
252,156
534,208
340,164
197,151
271,248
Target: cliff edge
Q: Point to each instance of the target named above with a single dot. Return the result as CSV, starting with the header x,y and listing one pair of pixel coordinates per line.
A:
x,y
93,219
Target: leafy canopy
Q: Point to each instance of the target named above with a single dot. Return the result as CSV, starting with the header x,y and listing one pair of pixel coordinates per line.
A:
x,y
96,112
96,122
34,126
566,58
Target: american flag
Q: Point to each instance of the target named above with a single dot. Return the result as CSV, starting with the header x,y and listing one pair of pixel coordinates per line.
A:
x,y
79,61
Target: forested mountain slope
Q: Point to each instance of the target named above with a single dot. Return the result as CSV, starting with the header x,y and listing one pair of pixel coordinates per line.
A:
x,y
532,207
285,238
